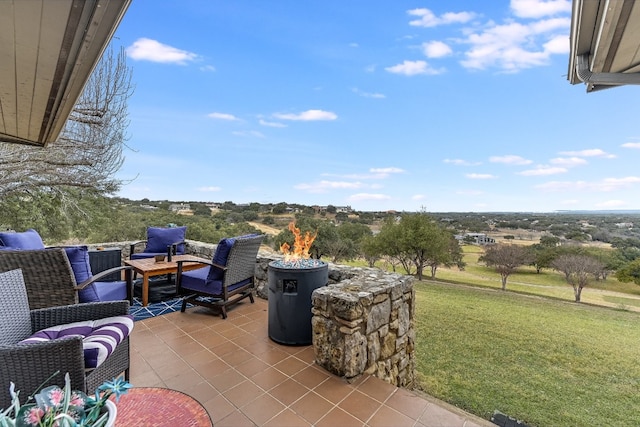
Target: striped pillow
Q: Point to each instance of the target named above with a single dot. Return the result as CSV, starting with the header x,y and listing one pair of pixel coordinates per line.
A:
x,y
99,337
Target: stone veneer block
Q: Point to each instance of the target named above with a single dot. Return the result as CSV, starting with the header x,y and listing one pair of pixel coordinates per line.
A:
x,y
365,324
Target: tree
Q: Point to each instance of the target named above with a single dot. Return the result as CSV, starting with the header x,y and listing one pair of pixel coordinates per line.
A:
x,y
505,259
577,269
88,152
416,241
630,272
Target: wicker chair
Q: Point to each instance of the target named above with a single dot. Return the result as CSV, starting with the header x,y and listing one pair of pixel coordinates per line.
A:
x,y
30,366
224,281
49,278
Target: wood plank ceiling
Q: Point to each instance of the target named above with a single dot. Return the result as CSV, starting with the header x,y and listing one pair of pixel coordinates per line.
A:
x,y
47,52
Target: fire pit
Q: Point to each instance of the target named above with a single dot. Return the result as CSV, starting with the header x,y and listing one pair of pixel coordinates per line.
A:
x,y
291,283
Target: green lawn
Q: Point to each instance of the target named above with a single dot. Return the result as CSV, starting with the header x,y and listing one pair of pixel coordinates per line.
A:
x,y
544,361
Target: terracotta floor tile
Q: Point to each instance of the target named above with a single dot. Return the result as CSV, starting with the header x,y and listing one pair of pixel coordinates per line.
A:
x,y
436,416
290,366
243,378
311,407
251,367
218,408
262,409
227,380
311,377
235,419
268,378
334,389
288,391
359,405
377,389
387,416
407,403
338,417
243,393
202,391
288,418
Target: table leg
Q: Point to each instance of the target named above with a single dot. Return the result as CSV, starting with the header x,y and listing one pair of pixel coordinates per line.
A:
x,y
145,289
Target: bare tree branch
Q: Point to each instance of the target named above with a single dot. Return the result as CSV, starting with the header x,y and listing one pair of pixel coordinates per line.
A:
x,y
89,151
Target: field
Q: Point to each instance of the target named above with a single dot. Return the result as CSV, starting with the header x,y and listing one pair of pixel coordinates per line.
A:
x,y
544,361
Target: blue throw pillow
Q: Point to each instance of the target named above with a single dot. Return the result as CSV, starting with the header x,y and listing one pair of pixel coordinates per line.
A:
x,y
220,258
29,239
79,260
158,238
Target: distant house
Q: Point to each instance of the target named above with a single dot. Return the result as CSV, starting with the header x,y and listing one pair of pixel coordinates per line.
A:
x,y
478,238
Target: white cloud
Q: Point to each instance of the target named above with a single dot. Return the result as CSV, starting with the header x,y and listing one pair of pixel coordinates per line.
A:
x,y
223,116
209,189
307,116
568,162
631,145
272,124
569,202
427,18
324,186
145,49
368,94
510,160
515,46
605,185
539,8
461,162
418,197
412,68
611,204
207,68
591,152
542,170
436,49
480,176
386,171
353,44
368,196
249,133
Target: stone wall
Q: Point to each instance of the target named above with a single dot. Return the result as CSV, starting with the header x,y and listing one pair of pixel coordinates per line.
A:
x,y
365,324
363,321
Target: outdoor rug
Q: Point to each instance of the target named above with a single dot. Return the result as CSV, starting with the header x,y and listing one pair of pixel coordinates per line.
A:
x,y
154,309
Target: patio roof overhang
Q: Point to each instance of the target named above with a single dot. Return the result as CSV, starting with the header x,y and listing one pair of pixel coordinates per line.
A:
x,y
605,43
48,50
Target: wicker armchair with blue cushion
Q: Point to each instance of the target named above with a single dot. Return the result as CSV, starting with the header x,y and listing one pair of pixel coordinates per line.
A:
x,y
226,280
51,281
30,365
160,241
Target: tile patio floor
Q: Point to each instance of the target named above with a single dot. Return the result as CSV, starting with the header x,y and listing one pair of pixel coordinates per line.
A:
x,y
244,379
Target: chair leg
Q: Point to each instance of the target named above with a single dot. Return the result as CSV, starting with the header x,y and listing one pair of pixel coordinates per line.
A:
x,y
184,305
251,297
223,311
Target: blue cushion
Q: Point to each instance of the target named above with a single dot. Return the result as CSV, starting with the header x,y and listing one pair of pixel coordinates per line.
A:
x,y
220,258
29,239
79,259
158,238
107,291
196,280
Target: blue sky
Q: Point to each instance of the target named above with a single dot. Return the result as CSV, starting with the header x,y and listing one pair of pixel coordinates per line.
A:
x,y
405,105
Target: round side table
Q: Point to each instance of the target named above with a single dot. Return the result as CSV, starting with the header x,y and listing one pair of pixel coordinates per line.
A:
x,y
160,407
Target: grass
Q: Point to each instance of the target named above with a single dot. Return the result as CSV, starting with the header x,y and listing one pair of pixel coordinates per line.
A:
x,y
543,361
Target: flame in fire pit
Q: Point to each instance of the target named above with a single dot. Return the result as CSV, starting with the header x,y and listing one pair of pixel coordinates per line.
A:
x,y
301,244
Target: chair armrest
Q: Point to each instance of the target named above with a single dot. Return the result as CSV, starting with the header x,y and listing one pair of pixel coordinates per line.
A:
x,y
30,365
133,245
52,316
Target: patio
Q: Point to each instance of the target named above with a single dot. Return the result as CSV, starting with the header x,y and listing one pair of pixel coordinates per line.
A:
x,y
244,379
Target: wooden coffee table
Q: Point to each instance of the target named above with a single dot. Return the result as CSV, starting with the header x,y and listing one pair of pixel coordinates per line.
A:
x,y
148,267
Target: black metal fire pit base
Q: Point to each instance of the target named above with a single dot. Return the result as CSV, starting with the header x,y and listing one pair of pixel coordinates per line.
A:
x,y
290,292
